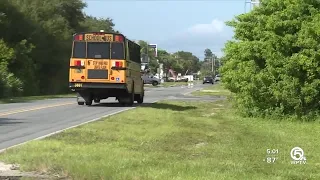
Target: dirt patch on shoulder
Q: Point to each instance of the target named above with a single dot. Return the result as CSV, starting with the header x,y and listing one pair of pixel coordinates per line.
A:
x,y
12,172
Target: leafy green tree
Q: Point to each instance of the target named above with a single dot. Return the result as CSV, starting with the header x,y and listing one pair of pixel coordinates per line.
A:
x,y
9,84
39,32
272,66
185,62
207,64
96,24
208,53
144,46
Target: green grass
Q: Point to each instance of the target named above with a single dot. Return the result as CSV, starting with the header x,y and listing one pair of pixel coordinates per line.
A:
x,y
32,98
170,84
213,90
167,84
175,140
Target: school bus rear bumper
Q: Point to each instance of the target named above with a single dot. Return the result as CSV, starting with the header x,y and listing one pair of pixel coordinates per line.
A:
x,y
88,85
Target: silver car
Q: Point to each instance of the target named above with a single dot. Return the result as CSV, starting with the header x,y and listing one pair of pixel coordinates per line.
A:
x,y
217,78
150,79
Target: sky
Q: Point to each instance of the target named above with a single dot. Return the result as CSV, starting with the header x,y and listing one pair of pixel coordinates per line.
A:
x,y
181,25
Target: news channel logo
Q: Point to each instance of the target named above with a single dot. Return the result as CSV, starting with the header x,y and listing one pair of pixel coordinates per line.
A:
x,y
297,156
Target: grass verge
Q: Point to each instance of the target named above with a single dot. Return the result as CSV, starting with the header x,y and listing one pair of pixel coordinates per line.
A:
x,y
167,84
175,140
212,90
173,84
32,98
170,84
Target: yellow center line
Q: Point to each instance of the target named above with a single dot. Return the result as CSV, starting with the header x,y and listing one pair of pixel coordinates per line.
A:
x,y
33,109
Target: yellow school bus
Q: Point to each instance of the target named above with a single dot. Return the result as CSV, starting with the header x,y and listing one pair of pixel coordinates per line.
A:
x,y
104,65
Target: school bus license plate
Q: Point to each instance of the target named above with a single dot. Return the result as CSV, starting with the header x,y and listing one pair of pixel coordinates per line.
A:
x,y
78,85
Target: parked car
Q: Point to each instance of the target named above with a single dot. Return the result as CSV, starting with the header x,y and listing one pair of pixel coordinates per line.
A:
x,y
217,78
208,79
179,79
150,79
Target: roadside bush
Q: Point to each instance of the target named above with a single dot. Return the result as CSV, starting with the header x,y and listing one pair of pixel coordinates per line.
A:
x,y
272,65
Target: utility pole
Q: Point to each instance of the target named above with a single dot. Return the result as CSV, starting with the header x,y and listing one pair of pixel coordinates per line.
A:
x,y
148,54
213,65
252,4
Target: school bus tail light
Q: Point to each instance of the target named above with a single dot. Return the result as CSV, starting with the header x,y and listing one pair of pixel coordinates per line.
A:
x,y
118,38
78,37
79,62
117,64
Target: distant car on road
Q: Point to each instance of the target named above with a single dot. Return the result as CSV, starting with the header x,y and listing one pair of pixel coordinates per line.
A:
x,y
150,79
217,78
208,79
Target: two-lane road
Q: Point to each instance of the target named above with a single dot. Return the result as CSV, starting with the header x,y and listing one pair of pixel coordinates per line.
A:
x,y
21,122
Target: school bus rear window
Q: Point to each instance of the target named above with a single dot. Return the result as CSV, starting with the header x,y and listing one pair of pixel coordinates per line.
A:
x,y
117,51
79,50
98,50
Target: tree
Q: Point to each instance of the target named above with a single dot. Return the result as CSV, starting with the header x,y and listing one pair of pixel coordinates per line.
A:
x,y
180,61
9,84
208,53
143,47
207,63
39,34
94,24
272,64
186,62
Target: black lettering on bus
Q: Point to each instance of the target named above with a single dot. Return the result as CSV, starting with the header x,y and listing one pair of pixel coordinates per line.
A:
x,y
108,38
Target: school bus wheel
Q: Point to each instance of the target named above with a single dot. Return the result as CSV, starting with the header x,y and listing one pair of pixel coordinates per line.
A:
x,y
140,99
131,96
80,103
89,103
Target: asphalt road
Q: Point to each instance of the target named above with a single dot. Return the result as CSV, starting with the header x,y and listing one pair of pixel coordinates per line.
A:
x,y
20,122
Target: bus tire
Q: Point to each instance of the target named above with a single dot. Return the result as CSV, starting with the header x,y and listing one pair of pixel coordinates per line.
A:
x,y
89,103
140,99
80,103
131,97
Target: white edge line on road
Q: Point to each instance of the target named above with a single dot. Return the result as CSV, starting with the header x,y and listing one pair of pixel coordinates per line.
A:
x,y
189,92
59,131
